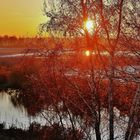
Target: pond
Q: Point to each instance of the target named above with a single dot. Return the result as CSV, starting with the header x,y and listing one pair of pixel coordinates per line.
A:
x,y
13,115
17,115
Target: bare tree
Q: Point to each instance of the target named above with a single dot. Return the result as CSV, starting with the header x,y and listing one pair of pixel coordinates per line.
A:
x,y
114,25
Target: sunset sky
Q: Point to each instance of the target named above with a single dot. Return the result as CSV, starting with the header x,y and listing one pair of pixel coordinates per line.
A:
x,y
20,17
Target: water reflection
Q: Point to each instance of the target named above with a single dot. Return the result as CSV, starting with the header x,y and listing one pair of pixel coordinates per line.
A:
x,y
15,114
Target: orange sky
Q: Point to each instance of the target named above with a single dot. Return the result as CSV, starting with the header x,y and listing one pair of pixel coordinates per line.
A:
x,y
20,17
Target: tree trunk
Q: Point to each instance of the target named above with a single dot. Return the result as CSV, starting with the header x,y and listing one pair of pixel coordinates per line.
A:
x,y
133,119
97,131
110,98
111,113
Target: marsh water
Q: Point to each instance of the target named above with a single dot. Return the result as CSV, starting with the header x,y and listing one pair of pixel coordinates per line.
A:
x,y
15,115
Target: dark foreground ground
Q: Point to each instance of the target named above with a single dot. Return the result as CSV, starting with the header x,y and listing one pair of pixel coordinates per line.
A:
x,y
38,132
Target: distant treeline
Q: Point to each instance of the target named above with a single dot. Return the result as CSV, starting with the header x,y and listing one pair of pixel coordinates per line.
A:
x,y
24,42
69,42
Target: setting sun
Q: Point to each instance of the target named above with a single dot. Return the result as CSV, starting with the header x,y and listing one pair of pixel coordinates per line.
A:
x,y
89,25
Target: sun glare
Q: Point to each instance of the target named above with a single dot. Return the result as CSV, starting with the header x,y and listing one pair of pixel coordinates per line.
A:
x,y
87,53
89,25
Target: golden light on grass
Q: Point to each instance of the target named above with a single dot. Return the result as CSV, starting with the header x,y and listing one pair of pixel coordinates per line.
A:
x,y
89,25
87,53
